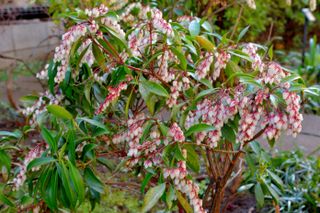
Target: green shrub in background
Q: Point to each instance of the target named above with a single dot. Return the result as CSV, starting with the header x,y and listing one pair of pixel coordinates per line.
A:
x,y
293,178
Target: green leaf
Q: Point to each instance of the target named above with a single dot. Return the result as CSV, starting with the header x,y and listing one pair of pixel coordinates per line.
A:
x,y
240,54
199,128
6,200
276,179
270,52
59,112
245,187
192,158
181,57
242,33
259,194
207,26
98,55
152,197
206,92
108,163
164,129
228,133
155,88
273,193
194,28
68,192
290,78
15,134
77,181
92,181
39,162
51,191
93,122
184,203
170,196
47,136
5,160
145,181
205,43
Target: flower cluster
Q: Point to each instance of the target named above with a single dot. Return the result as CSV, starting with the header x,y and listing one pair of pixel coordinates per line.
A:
x,y
96,12
19,180
186,186
62,52
127,17
222,58
114,93
134,134
251,50
163,65
175,91
88,56
204,65
39,106
276,122
215,113
176,133
274,74
160,24
294,116
114,25
250,113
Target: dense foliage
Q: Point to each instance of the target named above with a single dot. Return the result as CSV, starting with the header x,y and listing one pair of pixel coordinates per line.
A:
x,y
165,100
293,177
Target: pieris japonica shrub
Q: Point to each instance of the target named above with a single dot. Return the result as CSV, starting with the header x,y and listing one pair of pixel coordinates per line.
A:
x,y
168,101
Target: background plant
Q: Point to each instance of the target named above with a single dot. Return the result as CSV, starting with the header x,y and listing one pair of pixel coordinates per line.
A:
x,y
292,178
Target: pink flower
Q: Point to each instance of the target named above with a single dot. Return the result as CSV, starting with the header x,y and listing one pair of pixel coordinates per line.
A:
x,y
114,93
176,133
204,65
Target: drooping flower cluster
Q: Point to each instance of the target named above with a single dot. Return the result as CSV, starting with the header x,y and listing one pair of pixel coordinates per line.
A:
x,y
251,4
134,134
204,65
127,17
250,112
251,50
176,133
112,23
88,56
186,186
96,12
62,52
294,116
40,105
114,93
160,24
222,58
276,121
19,180
163,69
215,113
274,74
175,91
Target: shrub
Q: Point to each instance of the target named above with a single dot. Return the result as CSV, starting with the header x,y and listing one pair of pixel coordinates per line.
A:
x,y
165,100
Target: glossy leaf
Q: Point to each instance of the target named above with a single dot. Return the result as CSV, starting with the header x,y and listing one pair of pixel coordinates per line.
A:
x,y
199,128
152,197
59,112
39,162
155,88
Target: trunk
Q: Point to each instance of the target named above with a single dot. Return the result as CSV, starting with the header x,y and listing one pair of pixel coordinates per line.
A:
x,y
218,199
